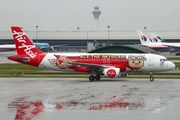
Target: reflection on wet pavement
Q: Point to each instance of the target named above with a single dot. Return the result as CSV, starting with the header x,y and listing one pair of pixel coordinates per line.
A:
x,y
34,101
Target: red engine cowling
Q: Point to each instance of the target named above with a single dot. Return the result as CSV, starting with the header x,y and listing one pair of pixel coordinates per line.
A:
x,y
112,72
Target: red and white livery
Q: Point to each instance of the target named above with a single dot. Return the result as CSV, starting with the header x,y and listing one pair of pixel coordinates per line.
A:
x,y
97,64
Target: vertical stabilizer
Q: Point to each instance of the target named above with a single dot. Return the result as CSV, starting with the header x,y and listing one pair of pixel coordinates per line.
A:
x,y
143,38
160,39
27,52
156,38
23,44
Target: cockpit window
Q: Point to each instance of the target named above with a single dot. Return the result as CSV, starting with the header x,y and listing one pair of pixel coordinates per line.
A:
x,y
163,59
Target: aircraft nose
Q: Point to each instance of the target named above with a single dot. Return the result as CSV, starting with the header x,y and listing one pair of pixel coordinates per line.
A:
x,y
172,66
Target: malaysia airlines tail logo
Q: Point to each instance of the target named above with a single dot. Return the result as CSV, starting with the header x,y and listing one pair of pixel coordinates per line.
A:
x,y
22,46
155,39
144,38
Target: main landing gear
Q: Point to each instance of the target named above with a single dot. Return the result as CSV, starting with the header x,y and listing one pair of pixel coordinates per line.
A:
x,y
151,76
96,77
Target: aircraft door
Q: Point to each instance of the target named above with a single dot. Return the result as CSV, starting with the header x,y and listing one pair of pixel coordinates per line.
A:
x,y
151,60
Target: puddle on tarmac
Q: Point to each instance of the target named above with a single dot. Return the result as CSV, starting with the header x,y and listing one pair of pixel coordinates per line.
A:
x,y
29,109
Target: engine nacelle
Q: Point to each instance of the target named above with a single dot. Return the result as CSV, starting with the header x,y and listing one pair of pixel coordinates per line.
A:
x,y
112,72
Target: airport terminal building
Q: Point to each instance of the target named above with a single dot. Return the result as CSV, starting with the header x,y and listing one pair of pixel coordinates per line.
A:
x,y
80,40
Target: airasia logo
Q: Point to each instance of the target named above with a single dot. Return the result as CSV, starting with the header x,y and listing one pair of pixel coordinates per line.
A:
x,y
27,48
111,73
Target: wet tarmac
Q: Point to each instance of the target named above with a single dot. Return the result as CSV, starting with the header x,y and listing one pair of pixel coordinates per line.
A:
x,y
4,55
77,99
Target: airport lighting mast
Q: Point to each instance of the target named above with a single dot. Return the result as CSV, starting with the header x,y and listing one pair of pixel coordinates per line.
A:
x,y
36,33
96,12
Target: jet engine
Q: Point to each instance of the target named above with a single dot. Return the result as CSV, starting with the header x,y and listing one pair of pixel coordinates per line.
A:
x,y
112,72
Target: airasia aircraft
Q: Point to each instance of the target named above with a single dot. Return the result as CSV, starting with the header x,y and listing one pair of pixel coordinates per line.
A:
x,y
98,64
12,47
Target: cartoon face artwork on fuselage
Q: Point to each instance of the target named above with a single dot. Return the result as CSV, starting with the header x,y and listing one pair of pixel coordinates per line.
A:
x,y
136,61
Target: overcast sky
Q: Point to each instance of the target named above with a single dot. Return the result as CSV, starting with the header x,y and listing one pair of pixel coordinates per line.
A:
x,y
67,15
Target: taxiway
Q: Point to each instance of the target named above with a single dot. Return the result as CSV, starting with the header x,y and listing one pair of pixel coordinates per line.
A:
x,y
77,98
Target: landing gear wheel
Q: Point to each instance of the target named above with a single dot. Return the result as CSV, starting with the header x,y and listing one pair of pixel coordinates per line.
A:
x,y
97,77
151,79
151,76
91,78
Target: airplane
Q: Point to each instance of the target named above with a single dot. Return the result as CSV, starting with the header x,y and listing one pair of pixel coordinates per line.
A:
x,y
157,43
5,48
97,64
156,39
145,41
12,47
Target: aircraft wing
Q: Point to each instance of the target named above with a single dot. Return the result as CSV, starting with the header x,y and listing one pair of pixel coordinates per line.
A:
x,y
91,66
172,45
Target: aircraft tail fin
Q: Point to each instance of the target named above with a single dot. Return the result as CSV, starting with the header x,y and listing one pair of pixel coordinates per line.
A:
x,y
156,38
27,52
23,44
143,38
159,38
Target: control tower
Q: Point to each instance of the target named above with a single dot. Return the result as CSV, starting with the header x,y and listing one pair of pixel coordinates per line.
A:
x,y
96,12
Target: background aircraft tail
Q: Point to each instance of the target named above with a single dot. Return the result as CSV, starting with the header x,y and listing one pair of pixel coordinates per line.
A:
x,y
156,38
143,38
159,38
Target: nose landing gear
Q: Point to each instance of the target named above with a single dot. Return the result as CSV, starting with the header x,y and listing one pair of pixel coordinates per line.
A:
x,y
151,76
